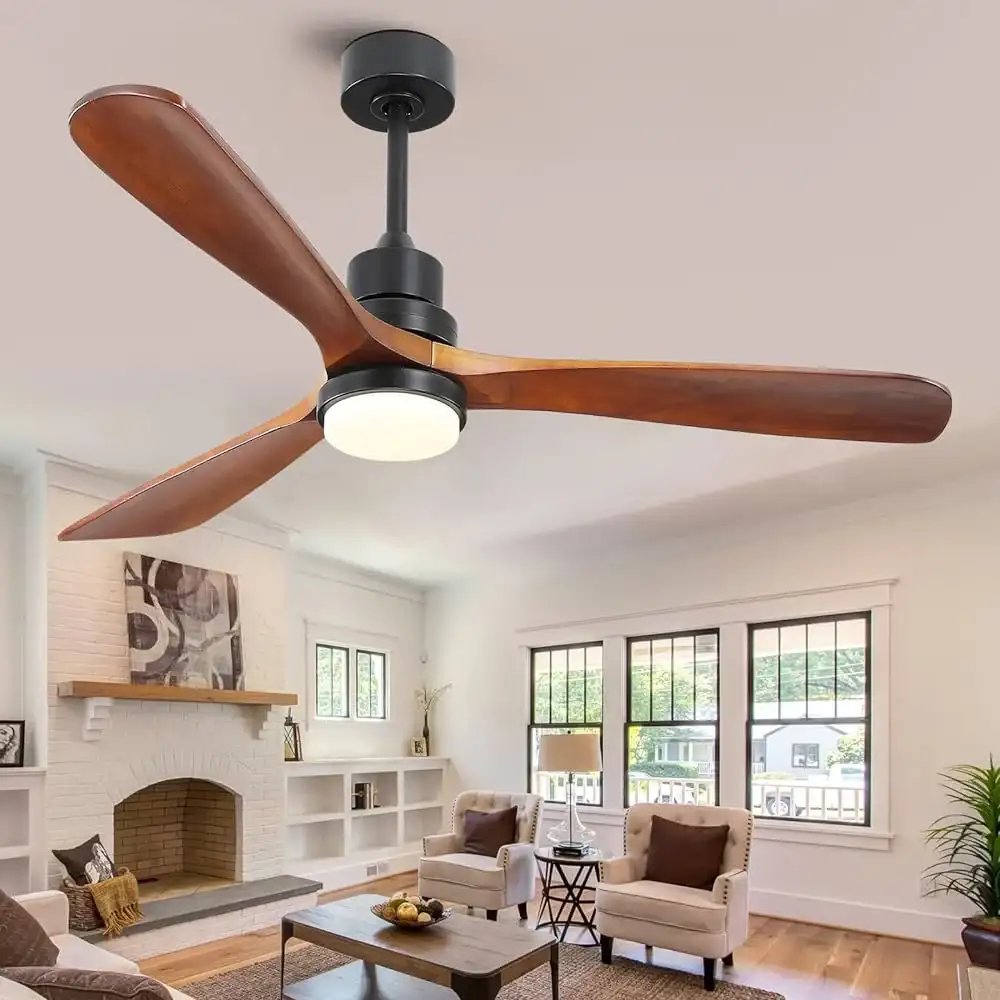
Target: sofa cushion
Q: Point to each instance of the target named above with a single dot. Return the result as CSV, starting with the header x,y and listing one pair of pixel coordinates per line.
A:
x,y
23,940
474,870
486,832
88,862
684,854
75,953
87,984
665,904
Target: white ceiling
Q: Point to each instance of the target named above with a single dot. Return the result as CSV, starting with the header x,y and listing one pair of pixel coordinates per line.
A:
x,y
798,183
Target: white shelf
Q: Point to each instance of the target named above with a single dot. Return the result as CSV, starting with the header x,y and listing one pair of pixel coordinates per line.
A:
x,y
424,805
377,811
17,851
320,817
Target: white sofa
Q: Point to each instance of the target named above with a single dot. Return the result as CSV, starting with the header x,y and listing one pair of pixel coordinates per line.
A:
x,y
447,872
710,923
51,910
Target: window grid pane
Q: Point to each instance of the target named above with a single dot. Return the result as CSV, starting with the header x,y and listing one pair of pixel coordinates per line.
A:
x,y
672,729
808,732
370,669
331,681
567,696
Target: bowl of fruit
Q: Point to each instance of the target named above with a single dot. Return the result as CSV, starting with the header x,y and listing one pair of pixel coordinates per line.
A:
x,y
411,912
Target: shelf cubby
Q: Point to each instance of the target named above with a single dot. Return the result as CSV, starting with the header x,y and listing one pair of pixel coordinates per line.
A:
x,y
309,841
315,794
422,786
422,822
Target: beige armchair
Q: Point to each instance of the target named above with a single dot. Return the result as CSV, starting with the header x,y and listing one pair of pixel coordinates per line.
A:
x,y
710,923
447,872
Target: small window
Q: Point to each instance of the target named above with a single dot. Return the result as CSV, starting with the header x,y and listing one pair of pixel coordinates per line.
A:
x,y
809,725
332,687
370,669
805,755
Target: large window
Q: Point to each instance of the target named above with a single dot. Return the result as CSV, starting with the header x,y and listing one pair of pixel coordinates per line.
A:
x,y
332,685
672,725
567,696
809,726
348,682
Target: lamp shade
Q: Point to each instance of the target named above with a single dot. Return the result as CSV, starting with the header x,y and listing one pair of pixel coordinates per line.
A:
x,y
579,753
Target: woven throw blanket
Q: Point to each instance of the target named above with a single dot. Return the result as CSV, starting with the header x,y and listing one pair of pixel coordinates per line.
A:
x,y
117,901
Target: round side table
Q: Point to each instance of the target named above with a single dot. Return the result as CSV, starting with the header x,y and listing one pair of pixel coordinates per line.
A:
x,y
569,886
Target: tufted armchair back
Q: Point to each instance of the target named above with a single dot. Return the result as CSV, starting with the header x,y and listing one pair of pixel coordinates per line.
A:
x,y
638,823
528,810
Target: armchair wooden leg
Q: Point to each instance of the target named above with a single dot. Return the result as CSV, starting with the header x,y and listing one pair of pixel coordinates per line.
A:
x,y
728,961
607,947
649,953
522,910
491,915
710,974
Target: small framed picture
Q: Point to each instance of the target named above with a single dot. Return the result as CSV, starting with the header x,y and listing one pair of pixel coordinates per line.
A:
x,y
418,747
12,743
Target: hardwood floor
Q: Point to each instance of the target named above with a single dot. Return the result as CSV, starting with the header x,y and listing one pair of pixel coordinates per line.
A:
x,y
802,961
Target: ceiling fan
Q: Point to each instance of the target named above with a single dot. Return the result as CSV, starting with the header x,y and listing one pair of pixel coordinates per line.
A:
x,y
397,388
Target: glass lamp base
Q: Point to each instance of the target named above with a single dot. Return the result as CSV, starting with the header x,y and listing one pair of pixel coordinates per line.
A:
x,y
570,831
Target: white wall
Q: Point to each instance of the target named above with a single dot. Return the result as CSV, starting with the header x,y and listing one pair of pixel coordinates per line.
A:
x,y
337,604
942,545
12,705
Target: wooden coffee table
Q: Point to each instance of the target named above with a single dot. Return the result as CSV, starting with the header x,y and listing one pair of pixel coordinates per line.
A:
x,y
474,958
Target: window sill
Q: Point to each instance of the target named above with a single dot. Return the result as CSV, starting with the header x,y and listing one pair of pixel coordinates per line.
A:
x,y
822,835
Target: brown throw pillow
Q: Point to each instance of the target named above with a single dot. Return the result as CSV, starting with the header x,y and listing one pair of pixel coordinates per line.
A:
x,y
88,862
22,939
682,854
85,984
485,833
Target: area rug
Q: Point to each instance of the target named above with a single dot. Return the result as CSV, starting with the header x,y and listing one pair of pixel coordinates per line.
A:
x,y
581,977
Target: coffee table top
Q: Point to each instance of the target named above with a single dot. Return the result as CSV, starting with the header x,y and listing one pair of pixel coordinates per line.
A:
x,y
462,944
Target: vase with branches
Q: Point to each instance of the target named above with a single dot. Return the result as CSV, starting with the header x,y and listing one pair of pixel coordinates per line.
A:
x,y
427,697
967,843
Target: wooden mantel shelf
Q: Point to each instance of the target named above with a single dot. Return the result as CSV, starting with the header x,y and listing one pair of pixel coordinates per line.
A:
x,y
99,696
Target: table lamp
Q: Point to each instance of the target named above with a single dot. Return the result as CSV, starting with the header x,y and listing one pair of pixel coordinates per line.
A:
x,y
570,754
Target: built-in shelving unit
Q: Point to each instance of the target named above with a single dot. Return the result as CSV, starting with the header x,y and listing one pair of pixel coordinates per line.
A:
x,y
330,841
22,837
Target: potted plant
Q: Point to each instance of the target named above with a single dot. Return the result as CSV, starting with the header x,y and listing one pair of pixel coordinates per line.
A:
x,y
967,843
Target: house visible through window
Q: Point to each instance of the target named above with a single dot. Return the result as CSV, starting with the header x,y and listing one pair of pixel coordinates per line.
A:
x,y
332,685
672,726
809,725
349,682
567,696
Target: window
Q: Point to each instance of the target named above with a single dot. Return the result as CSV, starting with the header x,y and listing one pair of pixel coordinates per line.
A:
x,y
672,725
567,696
370,669
332,685
347,682
805,754
810,710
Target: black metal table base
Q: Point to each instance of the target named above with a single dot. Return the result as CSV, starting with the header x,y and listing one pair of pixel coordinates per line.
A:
x,y
568,896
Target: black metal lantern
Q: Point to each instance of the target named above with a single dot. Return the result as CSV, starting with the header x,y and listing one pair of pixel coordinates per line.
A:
x,y
293,738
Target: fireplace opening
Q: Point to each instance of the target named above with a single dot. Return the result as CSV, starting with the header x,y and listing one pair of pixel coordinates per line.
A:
x,y
178,837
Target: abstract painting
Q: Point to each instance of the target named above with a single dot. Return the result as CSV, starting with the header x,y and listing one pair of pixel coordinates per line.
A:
x,y
183,625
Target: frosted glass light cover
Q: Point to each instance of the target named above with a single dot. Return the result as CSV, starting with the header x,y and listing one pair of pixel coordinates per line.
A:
x,y
391,426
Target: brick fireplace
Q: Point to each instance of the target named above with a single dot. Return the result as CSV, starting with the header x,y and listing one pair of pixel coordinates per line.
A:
x,y
178,833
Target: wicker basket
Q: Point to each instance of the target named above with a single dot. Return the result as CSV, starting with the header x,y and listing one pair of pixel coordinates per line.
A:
x,y
83,915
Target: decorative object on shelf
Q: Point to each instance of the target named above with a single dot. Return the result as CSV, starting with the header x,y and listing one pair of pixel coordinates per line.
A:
x,y
427,698
12,743
414,913
183,625
363,796
968,845
570,754
293,738
418,745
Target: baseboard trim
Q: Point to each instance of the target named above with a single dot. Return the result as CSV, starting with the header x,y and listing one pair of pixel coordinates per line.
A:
x,y
885,920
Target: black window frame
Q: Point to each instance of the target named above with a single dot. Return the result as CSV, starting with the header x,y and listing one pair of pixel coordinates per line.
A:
x,y
346,650
835,720
805,755
370,653
565,727
630,722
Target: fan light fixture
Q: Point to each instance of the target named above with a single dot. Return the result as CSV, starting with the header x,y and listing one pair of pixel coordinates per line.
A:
x,y
392,413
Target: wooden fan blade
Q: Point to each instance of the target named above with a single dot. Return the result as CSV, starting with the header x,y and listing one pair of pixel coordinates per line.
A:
x,y
207,485
167,156
796,402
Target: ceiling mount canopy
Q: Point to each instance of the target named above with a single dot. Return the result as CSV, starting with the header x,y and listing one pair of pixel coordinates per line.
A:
x,y
397,386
